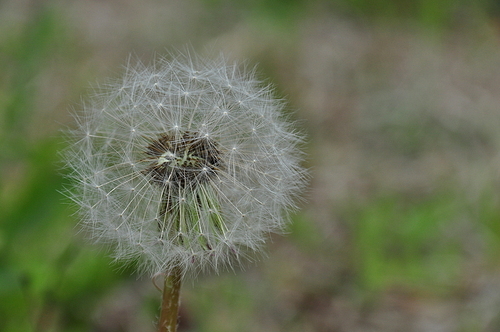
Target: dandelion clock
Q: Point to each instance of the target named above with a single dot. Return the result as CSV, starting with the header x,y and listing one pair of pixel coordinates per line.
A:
x,y
184,165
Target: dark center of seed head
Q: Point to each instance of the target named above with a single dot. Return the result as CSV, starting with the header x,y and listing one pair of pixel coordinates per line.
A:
x,y
182,160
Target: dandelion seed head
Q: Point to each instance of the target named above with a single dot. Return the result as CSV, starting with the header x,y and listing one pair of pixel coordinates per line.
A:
x,y
189,162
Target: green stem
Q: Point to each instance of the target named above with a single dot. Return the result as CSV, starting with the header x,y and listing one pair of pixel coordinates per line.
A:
x,y
170,301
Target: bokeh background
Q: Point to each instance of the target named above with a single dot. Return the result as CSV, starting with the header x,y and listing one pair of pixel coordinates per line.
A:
x,y
401,102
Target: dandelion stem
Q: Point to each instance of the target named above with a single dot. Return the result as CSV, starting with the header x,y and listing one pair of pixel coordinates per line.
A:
x,y
170,301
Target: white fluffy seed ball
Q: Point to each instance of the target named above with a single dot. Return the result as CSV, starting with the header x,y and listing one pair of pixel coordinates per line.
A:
x,y
185,163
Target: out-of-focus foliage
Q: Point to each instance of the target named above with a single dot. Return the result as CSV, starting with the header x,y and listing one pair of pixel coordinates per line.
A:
x,y
47,279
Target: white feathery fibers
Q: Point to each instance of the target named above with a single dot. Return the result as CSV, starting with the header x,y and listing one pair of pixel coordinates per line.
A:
x,y
186,163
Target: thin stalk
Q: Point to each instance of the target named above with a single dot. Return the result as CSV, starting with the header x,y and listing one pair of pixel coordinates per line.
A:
x,y
170,301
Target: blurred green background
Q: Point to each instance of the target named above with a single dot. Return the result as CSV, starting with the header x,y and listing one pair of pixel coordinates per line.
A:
x,y
401,101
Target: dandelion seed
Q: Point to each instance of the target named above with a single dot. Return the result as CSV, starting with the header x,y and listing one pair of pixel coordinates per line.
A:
x,y
195,186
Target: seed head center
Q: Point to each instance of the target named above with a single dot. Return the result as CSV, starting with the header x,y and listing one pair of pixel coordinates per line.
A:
x,y
182,160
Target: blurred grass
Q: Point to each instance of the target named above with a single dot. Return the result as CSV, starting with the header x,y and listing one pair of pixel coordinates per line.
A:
x,y
400,242
47,279
51,281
